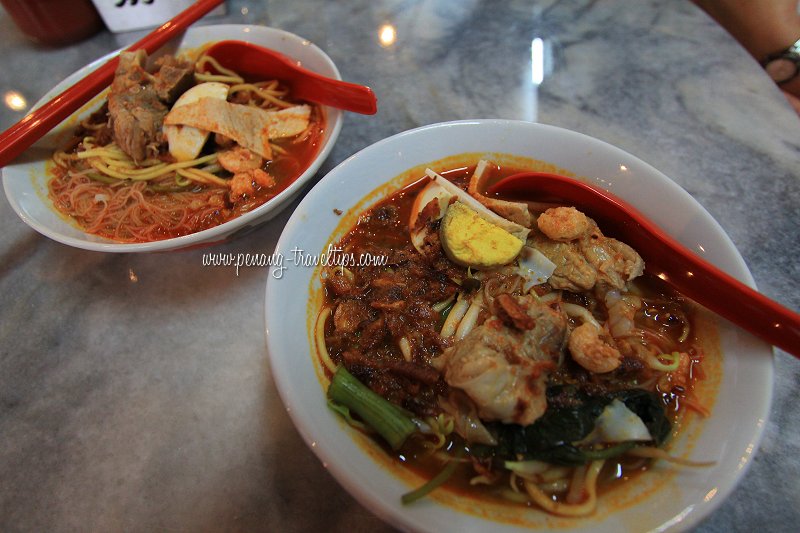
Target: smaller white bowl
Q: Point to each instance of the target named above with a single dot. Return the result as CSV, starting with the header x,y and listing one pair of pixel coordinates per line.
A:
x,y
25,182
739,367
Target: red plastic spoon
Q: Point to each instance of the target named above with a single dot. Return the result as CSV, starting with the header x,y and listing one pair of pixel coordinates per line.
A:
x,y
262,63
665,257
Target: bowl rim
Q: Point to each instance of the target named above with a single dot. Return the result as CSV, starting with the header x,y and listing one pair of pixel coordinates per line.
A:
x,y
691,516
200,238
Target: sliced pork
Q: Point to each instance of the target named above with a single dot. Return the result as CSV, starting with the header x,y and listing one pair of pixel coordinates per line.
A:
x,y
138,100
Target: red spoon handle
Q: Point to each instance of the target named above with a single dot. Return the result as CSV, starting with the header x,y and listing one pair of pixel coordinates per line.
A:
x,y
724,294
346,96
666,257
33,126
248,59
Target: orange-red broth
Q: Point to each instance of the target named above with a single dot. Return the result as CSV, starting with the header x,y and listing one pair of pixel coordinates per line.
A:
x,y
372,233
142,212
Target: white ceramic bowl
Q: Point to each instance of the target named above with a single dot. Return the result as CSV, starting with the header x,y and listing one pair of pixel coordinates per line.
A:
x,y
665,498
25,181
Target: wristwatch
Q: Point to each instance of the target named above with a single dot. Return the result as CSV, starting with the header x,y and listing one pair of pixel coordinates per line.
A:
x,y
783,66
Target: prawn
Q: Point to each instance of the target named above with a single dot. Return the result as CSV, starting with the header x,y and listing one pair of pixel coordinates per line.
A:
x,y
563,223
239,159
591,352
243,183
621,312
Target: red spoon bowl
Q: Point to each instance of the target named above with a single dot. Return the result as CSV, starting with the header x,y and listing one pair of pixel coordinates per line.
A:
x,y
262,63
664,256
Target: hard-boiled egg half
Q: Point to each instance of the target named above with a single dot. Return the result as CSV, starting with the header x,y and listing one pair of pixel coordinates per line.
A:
x,y
471,234
186,142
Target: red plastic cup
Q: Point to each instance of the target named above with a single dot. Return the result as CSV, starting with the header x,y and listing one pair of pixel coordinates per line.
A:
x,y
55,22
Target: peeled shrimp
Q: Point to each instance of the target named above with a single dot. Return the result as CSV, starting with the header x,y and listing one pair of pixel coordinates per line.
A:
x,y
239,159
591,352
621,312
563,223
243,182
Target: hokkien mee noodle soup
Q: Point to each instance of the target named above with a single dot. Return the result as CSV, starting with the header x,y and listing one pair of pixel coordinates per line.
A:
x,y
505,349
181,147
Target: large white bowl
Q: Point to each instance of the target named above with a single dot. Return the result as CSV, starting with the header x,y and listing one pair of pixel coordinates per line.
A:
x,y
25,182
666,498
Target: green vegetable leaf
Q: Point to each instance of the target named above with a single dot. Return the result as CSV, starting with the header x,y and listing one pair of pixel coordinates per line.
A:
x,y
388,419
552,437
649,407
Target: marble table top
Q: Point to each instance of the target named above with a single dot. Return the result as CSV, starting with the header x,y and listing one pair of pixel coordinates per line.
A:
x,y
135,390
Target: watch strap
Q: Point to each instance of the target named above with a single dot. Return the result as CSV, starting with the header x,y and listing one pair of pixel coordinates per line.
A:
x,y
783,66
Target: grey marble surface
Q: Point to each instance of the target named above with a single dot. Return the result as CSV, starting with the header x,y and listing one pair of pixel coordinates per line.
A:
x,y
135,391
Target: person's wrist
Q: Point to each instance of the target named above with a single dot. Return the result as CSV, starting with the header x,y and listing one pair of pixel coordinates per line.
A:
x,y
792,87
763,28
